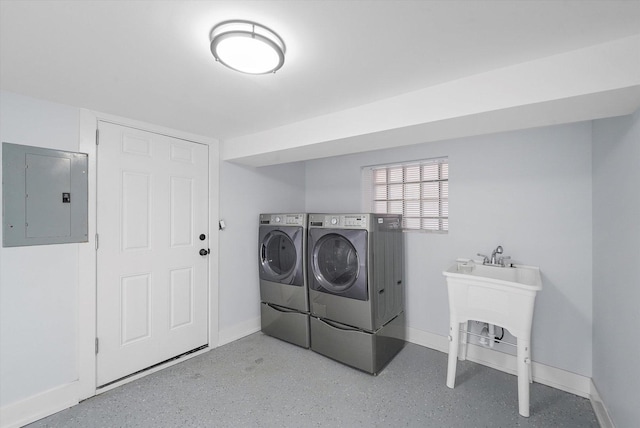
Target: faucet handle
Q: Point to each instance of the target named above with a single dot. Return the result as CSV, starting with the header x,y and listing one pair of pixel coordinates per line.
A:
x,y
486,259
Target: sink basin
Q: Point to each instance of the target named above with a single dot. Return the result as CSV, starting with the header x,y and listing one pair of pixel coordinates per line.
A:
x,y
519,276
503,296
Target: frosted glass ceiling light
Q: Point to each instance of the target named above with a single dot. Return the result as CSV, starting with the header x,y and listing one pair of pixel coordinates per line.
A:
x,y
247,47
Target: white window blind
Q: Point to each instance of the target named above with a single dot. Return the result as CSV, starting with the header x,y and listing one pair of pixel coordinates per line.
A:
x,y
418,190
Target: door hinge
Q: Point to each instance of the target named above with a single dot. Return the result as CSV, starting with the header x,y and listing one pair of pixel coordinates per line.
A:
x,y
97,136
96,345
96,242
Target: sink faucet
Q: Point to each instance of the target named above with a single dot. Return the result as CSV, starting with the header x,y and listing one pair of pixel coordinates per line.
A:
x,y
498,250
495,260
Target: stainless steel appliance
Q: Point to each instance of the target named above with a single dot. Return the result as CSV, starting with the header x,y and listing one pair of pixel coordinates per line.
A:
x,y
282,248
356,289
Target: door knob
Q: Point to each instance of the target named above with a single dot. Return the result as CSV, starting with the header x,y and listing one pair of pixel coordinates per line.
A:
x,y
204,252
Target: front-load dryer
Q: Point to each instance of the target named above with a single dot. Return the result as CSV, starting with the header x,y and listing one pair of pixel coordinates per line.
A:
x,y
356,288
356,268
282,245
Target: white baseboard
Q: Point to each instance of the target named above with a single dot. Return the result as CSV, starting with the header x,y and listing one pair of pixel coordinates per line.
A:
x,y
239,331
546,375
600,409
428,340
39,406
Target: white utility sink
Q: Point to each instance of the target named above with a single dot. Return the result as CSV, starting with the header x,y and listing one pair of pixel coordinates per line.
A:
x,y
524,277
503,296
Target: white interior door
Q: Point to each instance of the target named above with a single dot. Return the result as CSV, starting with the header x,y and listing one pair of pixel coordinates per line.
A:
x,y
152,209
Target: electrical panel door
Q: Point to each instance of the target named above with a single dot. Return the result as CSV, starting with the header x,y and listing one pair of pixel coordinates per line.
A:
x,y
45,197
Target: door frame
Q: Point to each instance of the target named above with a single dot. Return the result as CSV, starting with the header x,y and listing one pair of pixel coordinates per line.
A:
x,y
87,254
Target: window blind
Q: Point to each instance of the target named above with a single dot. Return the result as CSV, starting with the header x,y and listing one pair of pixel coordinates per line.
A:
x,y
419,190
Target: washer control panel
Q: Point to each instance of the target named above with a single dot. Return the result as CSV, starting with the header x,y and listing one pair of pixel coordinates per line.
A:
x,y
283,219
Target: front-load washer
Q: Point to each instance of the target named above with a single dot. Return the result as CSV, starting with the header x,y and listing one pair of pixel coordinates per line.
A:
x,y
282,246
356,288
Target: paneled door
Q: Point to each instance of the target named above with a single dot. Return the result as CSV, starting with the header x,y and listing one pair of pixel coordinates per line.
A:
x,y
152,267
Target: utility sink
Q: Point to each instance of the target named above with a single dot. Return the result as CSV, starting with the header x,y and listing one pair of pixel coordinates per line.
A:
x,y
519,276
504,296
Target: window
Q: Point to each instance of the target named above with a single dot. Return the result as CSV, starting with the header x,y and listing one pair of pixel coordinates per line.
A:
x,y
418,190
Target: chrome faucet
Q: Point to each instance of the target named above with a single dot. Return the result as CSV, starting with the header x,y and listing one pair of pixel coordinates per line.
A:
x,y
495,260
498,250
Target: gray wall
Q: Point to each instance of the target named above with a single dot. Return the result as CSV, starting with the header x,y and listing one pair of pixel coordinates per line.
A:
x,y
616,266
529,191
246,192
39,284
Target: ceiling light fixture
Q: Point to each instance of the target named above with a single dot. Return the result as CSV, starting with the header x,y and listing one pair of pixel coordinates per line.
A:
x,y
247,47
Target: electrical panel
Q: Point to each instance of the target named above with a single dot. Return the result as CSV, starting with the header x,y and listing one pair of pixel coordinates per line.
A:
x,y
44,196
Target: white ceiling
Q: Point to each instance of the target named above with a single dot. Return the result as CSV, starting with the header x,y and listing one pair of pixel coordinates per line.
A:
x,y
150,60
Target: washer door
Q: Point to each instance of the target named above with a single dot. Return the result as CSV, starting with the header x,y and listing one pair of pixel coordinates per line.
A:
x,y
338,262
279,258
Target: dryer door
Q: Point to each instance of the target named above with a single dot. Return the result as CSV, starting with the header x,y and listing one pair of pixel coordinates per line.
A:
x,y
280,257
339,262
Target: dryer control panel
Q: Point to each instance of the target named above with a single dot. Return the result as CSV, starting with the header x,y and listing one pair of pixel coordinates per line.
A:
x,y
350,221
367,221
355,220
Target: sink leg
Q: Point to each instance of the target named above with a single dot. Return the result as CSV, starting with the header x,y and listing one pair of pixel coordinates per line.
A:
x,y
523,377
463,341
529,365
454,337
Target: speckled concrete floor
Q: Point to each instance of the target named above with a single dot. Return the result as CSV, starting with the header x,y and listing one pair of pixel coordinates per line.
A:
x,y
259,381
